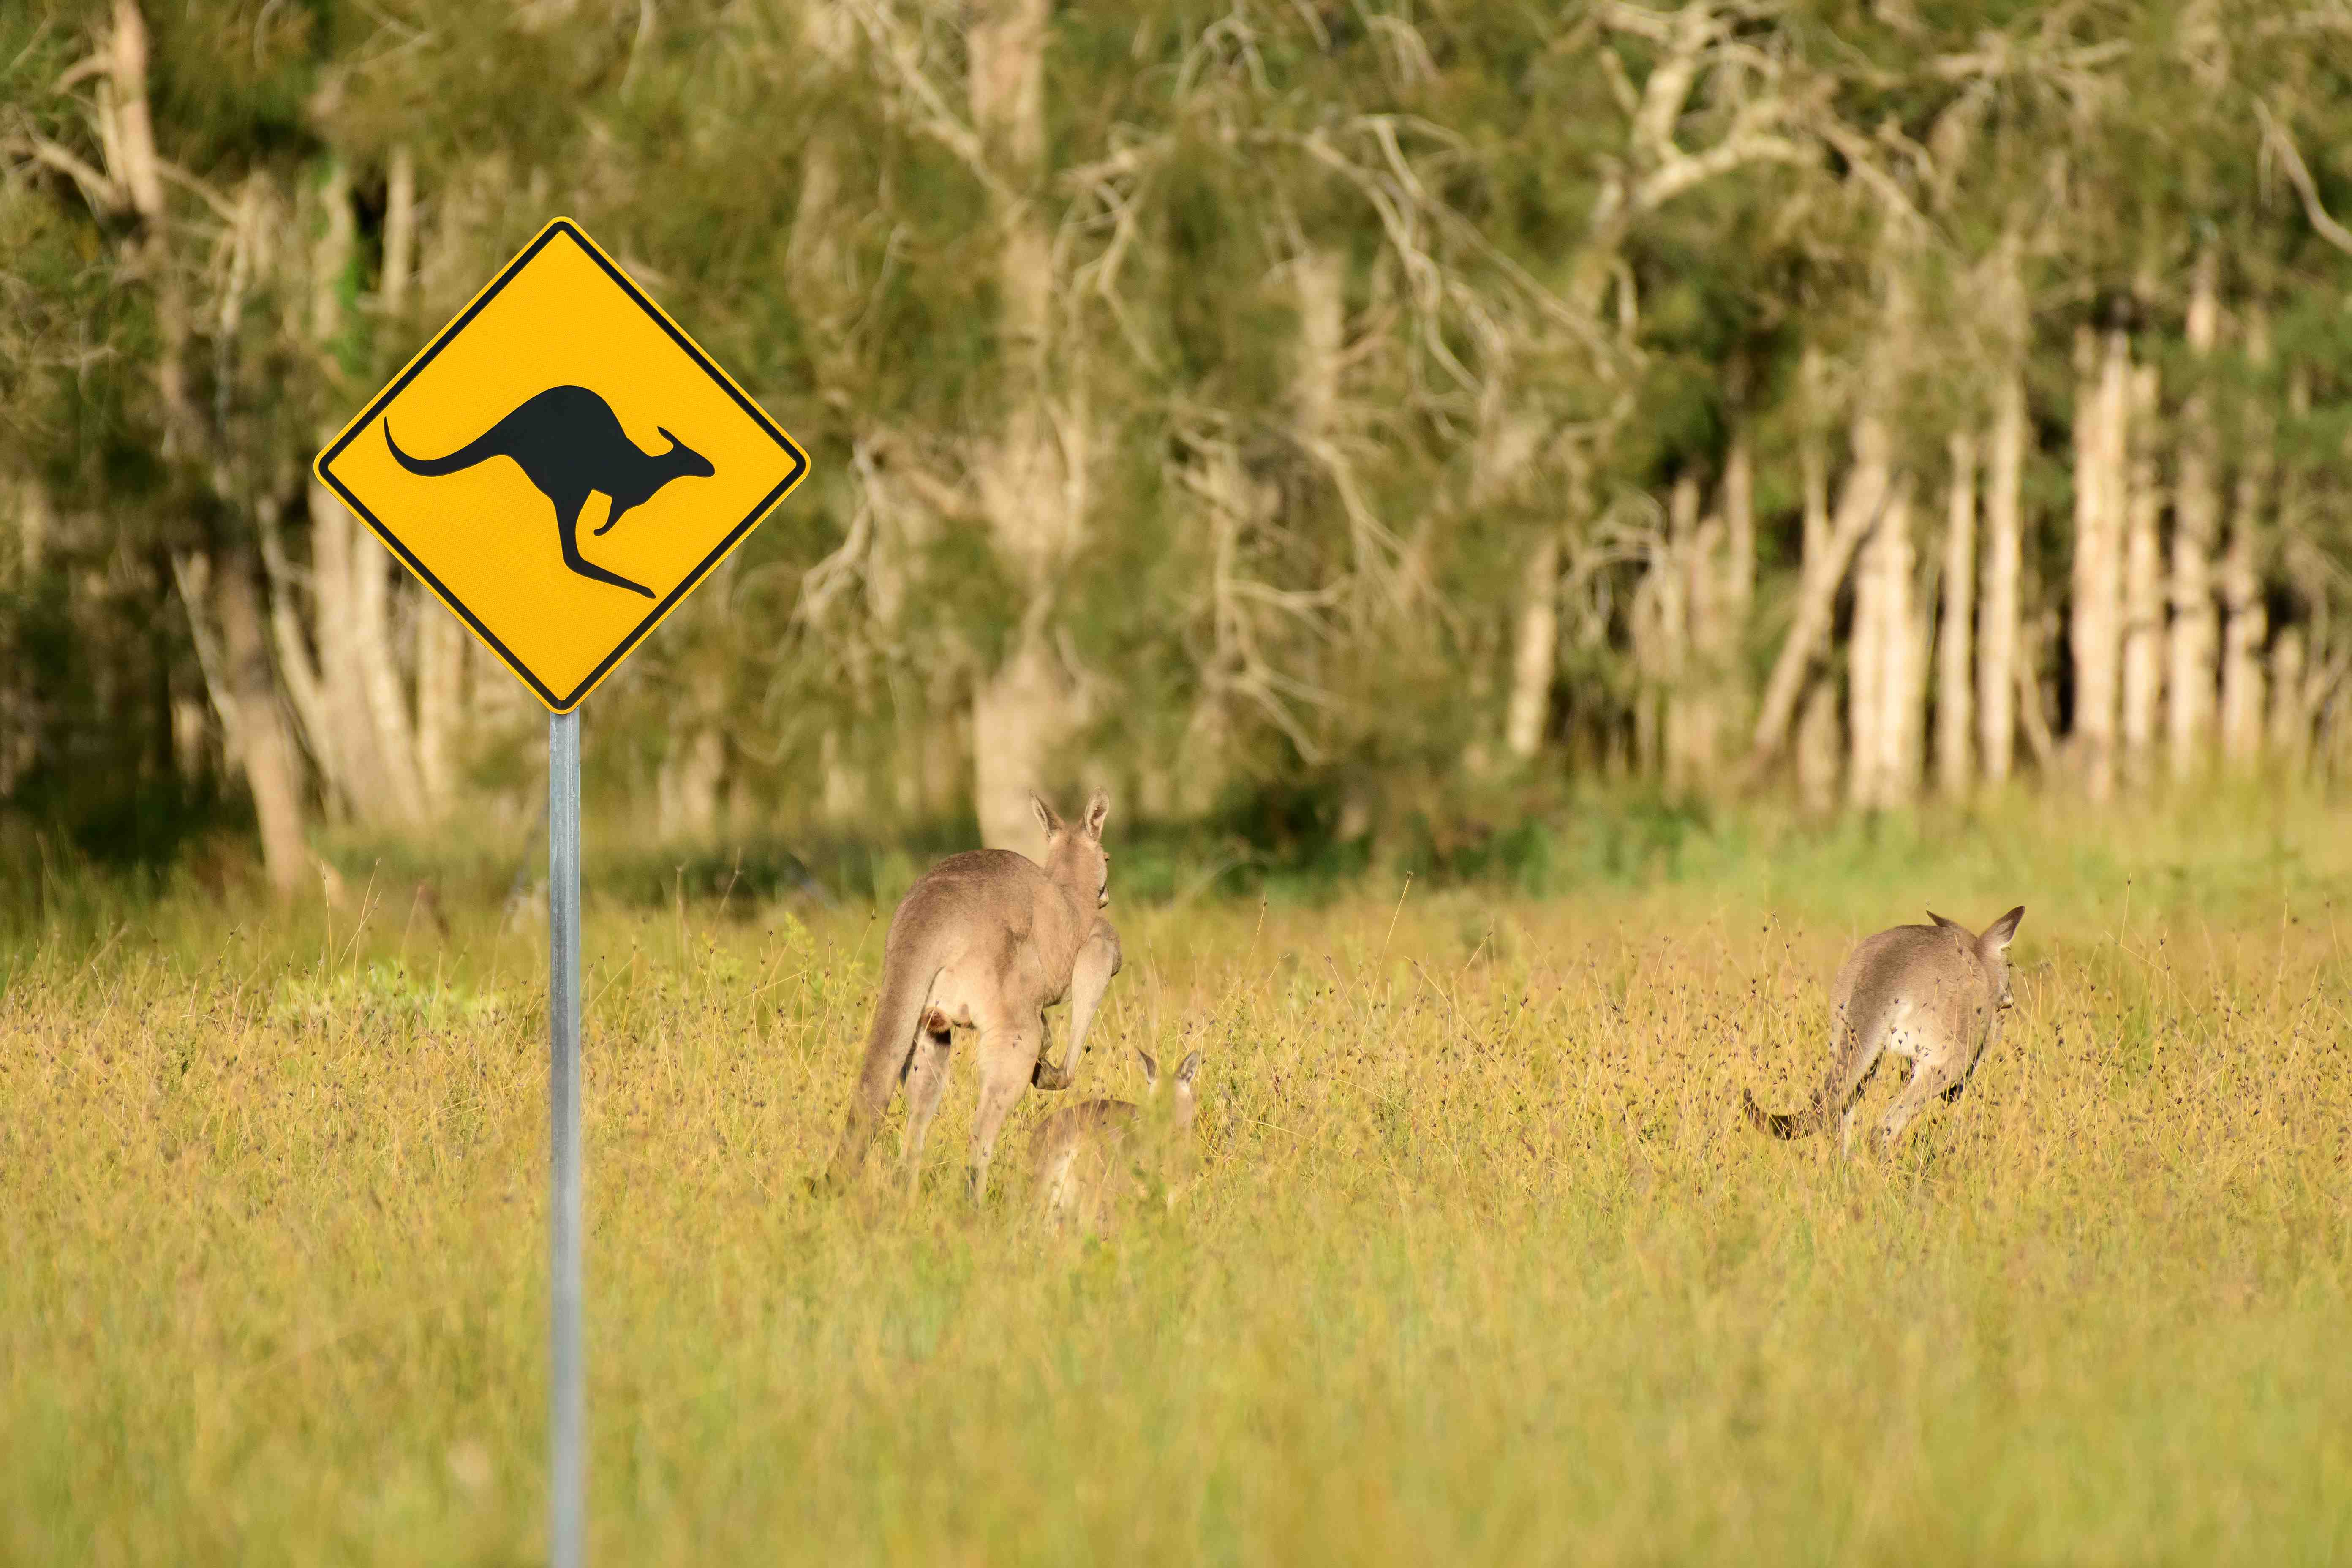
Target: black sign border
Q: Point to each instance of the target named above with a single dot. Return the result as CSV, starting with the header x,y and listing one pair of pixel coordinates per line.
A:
x,y
563,228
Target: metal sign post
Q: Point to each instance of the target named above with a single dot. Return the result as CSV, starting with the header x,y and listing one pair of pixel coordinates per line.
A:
x,y
567,1390
560,382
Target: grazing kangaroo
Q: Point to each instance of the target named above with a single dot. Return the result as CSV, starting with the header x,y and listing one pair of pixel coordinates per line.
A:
x,y
1077,1155
985,941
569,443
1934,994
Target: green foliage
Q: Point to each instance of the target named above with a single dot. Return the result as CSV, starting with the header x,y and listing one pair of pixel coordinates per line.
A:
x,y
784,185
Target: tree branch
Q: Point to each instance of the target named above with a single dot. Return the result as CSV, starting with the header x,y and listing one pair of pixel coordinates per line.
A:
x,y
2282,146
903,56
102,192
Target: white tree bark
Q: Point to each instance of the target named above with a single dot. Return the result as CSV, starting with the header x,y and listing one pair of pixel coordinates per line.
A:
x,y
1534,649
399,232
2004,544
439,655
2094,629
1030,477
1860,499
2290,720
382,686
1883,692
1817,746
1739,540
2143,643
239,677
1955,671
1867,661
2245,625
1652,170
2193,674
1683,576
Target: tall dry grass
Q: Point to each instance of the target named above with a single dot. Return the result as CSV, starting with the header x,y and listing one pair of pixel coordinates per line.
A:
x,y
1481,1263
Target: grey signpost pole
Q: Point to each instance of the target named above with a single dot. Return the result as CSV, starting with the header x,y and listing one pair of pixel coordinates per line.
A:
x,y
567,1394
539,633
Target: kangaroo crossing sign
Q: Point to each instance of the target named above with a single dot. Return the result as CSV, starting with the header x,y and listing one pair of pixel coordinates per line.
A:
x,y
481,466
561,465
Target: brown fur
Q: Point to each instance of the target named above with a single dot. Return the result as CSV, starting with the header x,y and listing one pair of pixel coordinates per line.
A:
x,y
985,942
1934,994
1082,1157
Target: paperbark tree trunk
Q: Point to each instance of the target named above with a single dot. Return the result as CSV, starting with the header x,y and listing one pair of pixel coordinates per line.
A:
x,y
1955,671
2245,625
399,233
240,679
380,684
1029,479
687,790
440,655
1739,561
1860,499
2094,632
2290,720
1817,748
2193,675
2143,650
1682,576
1866,669
1707,671
1883,692
345,741
1997,624
365,691
1534,649
272,771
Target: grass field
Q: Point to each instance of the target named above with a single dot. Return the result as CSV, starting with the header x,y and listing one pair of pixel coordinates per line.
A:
x,y
1481,1263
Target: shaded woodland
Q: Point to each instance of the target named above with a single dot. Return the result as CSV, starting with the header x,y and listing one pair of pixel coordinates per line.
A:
x,y
1356,407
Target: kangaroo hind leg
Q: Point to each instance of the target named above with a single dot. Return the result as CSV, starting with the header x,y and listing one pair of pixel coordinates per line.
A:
x,y
568,506
1008,1056
1930,1078
927,1081
1858,1064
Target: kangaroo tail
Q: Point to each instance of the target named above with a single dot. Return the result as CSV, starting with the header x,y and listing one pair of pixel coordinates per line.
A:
x,y
890,1047
464,457
1781,1123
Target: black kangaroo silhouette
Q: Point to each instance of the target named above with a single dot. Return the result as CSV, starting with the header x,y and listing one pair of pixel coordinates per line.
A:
x,y
569,443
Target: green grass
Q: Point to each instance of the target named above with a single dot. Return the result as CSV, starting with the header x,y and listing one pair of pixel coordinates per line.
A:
x,y
1481,1263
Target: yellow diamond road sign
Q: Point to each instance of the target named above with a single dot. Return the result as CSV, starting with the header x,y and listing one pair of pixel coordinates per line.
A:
x,y
561,465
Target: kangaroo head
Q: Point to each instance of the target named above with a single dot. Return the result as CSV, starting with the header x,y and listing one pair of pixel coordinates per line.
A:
x,y
1992,951
1075,856
688,462
1183,1099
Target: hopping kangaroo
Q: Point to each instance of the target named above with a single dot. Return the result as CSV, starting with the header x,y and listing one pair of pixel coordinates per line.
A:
x,y
985,941
569,443
1077,1155
1933,994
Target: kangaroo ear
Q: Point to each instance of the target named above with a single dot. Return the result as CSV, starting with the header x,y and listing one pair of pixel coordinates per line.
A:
x,y
664,432
1097,813
1045,817
1151,1067
1948,925
1186,1068
1997,934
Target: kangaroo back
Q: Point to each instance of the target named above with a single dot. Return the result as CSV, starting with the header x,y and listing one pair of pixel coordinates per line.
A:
x,y
1931,994
1072,1152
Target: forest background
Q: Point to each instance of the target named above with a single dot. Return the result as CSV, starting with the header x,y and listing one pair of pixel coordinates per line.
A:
x,y
1348,431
